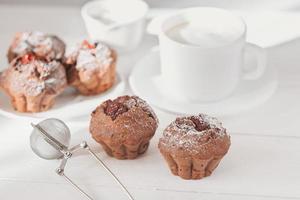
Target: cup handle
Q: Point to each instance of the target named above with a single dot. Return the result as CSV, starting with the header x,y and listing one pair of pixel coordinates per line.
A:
x,y
261,61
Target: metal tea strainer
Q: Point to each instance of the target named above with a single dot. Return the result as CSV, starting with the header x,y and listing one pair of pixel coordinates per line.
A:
x,y
50,140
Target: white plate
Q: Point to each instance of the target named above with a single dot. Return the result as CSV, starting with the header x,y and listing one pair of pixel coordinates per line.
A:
x,y
69,105
145,81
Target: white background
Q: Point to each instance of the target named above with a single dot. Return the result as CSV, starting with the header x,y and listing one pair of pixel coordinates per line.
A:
x,y
263,161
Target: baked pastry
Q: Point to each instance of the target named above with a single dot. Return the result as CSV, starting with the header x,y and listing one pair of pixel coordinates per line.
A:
x,y
91,68
33,83
48,47
193,146
124,126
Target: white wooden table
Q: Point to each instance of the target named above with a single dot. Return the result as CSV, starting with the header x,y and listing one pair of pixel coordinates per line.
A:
x,y
263,161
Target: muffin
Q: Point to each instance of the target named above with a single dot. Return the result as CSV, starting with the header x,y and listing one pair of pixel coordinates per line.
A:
x,y
33,83
194,146
91,68
48,47
124,126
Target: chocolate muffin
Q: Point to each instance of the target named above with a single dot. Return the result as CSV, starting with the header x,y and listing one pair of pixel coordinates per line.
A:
x,y
91,68
48,47
194,146
124,126
33,83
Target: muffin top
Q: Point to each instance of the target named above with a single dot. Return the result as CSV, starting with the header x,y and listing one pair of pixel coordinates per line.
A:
x,y
32,76
126,119
199,135
43,45
120,105
90,56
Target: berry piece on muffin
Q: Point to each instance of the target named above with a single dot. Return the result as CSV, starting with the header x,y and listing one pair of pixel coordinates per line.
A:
x,y
33,83
48,47
194,146
124,126
91,67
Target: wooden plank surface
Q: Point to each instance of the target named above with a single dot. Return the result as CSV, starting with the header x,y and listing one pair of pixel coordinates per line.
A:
x,y
262,166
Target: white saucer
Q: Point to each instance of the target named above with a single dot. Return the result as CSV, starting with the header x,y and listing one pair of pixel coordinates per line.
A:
x,y
69,105
145,82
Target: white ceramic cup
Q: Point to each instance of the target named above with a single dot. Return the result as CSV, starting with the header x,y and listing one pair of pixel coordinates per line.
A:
x,y
119,23
206,72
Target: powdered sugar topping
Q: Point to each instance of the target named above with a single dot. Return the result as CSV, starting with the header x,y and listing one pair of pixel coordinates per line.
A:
x,y
184,133
94,58
33,78
33,87
27,41
138,102
47,46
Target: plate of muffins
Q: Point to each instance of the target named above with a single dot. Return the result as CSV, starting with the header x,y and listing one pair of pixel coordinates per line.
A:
x,y
42,80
